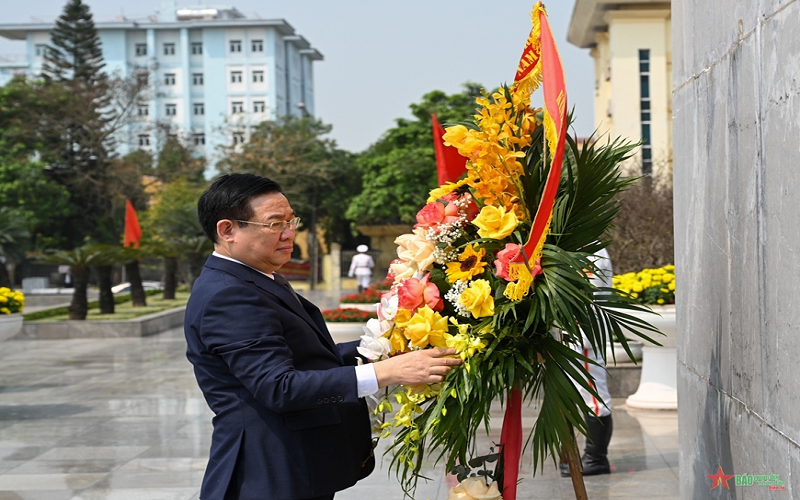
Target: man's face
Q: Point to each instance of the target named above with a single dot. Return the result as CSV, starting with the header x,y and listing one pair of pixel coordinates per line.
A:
x,y
257,246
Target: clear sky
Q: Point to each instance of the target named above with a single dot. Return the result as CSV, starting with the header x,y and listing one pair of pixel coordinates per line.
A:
x,y
381,56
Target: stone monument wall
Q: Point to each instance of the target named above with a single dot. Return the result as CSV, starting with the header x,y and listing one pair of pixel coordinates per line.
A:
x,y
736,107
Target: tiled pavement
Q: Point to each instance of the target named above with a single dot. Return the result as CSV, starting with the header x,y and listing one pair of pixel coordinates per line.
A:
x,y
122,419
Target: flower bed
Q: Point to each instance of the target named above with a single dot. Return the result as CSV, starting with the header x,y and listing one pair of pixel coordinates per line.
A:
x,y
347,315
371,295
649,286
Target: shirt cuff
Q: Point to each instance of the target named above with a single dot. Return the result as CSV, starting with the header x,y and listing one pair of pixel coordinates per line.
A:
x,y
366,380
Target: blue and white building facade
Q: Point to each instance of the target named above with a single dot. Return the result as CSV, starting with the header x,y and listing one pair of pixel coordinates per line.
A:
x,y
212,72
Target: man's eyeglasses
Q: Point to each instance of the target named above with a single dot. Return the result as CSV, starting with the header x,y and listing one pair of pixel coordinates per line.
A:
x,y
275,226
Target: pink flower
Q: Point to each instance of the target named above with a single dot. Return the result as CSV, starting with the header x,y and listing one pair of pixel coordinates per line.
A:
x,y
505,257
413,293
436,213
511,254
470,209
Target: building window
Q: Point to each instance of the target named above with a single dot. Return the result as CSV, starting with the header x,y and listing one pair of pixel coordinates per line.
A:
x,y
41,50
171,110
199,108
258,76
169,79
143,110
258,106
237,107
644,107
238,137
236,77
169,49
144,140
199,139
141,49
258,45
197,48
141,78
236,45
197,79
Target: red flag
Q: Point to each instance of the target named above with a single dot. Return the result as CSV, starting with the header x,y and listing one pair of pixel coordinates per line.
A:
x,y
555,121
449,162
133,233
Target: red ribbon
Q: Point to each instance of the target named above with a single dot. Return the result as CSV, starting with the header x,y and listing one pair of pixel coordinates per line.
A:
x,y
511,444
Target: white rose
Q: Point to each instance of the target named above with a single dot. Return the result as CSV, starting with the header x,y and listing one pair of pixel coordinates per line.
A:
x,y
416,248
474,488
402,269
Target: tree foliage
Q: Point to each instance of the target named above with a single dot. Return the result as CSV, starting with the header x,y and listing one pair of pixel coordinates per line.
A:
x,y
399,170
68,123
75,53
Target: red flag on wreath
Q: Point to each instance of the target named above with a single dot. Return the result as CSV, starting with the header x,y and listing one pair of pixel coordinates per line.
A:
x,y
450,165
133,232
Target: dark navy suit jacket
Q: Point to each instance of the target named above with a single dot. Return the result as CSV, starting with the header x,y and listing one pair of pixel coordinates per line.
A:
x,y
289,423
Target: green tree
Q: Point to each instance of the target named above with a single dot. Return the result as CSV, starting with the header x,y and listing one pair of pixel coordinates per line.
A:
x,y
75,53
175,233
14,238
178,161
399,170
81,111
24,181
81,260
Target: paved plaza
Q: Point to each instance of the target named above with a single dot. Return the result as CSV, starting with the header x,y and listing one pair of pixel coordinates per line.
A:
x,y
123,419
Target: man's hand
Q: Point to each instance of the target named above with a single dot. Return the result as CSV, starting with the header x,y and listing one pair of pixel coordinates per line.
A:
x,y
428,366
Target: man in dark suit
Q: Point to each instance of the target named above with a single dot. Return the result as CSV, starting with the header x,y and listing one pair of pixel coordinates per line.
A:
x,y
291,422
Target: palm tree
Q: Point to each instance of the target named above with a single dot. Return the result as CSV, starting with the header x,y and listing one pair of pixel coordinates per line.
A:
x,y
105,257
131,256
14,237
81,260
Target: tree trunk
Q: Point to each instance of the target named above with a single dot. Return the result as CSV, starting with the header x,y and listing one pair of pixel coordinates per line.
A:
x,y
138,298
170,277
104,283
79,306
5,279
196,261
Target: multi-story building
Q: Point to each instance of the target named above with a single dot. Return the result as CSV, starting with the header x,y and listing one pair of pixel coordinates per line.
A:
x,y
630,43
212,72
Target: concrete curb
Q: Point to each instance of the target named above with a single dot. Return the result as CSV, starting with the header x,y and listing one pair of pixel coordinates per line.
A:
x,y
142,326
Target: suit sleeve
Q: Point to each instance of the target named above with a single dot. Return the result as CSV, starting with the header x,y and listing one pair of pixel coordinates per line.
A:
x,y
247,331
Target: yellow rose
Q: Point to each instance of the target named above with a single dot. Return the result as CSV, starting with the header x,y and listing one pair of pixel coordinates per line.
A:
x,y
495,223
478,300
427,327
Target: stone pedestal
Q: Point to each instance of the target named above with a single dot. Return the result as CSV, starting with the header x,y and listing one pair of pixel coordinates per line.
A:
x,y
10,325
658,387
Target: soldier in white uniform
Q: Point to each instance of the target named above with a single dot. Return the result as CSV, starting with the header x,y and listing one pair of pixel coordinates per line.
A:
x,y
361,267
599,422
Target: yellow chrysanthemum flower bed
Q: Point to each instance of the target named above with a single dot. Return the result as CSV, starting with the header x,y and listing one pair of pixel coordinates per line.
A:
x,y
11,301
649,286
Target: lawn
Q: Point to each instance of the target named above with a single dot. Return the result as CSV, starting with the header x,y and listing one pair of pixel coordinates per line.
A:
x,y
124,310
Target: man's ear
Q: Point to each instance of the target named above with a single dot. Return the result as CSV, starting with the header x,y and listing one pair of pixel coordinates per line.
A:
x,y
225,230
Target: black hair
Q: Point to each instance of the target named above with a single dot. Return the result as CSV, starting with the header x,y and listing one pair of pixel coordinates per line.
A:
x,y
229,198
